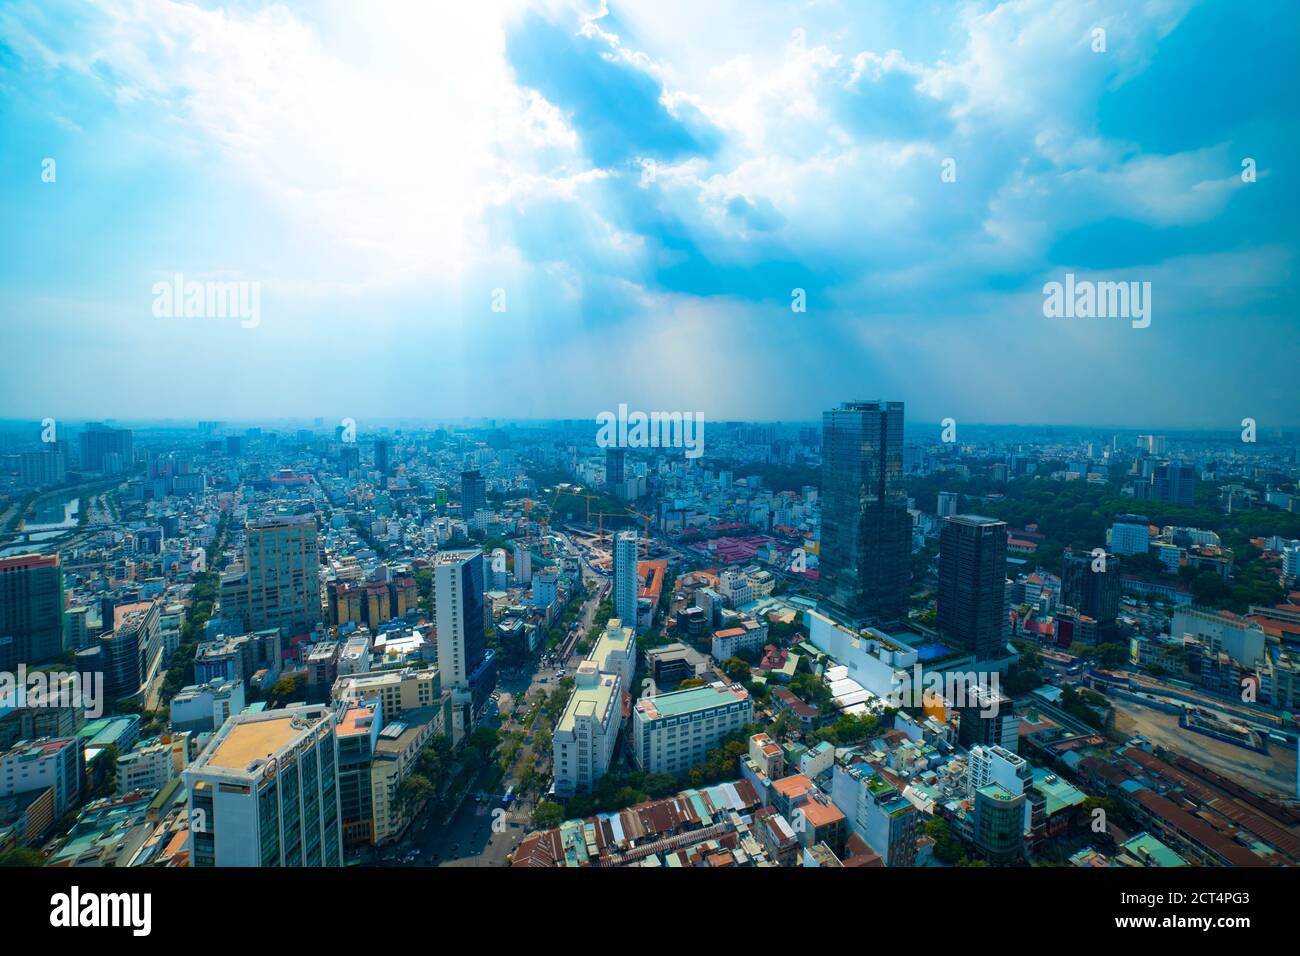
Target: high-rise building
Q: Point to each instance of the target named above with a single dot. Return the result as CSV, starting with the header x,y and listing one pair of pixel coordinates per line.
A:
x,y
464,663
1091,585
31,610
866,542
1174,483
280,583
265,792
523,563
987,718
99,445
972,600
625,576
615,470
948,503
381,456
473,494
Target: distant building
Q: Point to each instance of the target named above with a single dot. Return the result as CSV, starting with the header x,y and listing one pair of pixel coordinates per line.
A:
x,y
280,583
626,580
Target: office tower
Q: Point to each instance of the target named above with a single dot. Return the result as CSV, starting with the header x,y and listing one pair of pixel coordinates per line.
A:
x,y
523,564
1130,534
987,718
349,461
1174,483
265,792
130,649
999,823
233,445
866,543
464,663
99,445
473,494
280,583
615,471
948,503
31,610
625,576
1092,587
381,456
972,601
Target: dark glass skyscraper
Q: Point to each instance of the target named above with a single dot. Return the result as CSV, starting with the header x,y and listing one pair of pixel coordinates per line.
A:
x,y
1095,593
381,456
972,595
473,494
866,544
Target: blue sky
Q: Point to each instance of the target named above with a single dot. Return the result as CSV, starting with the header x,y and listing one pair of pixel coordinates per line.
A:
x,y
647,184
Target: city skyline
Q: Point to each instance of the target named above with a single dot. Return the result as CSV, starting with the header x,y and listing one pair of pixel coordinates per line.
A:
x,y
625,179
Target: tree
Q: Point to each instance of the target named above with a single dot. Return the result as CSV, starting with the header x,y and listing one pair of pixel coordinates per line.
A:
x,y
413,791
736,669
548,814
22,856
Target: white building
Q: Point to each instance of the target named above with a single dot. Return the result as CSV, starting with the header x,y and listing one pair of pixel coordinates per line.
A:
x,y
1241,639
615,652
584,737
265,792
204,707
947,506
523,564
734,586
150,767
673,732
998,765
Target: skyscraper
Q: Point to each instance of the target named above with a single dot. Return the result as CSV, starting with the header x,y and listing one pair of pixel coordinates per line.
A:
x,y
265,792
625,576
615,471
464,664
99,443
972,601
866,543
280,583
31,610
1092,587
473,494
381,456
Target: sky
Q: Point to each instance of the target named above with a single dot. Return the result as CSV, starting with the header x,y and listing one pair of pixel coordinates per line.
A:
x,y
550,209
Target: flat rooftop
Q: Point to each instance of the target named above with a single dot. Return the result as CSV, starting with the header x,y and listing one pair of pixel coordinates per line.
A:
x,y
688,701
250,740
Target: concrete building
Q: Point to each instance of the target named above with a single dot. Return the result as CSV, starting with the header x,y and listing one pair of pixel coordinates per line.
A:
x,y
265,792
50,762
673,732
280,583
31,610
584,737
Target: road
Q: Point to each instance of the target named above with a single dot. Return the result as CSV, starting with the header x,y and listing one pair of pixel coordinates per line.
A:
x,y
485,833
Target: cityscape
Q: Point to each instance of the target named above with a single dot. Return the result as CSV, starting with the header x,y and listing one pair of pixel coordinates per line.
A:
x,y
575,435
